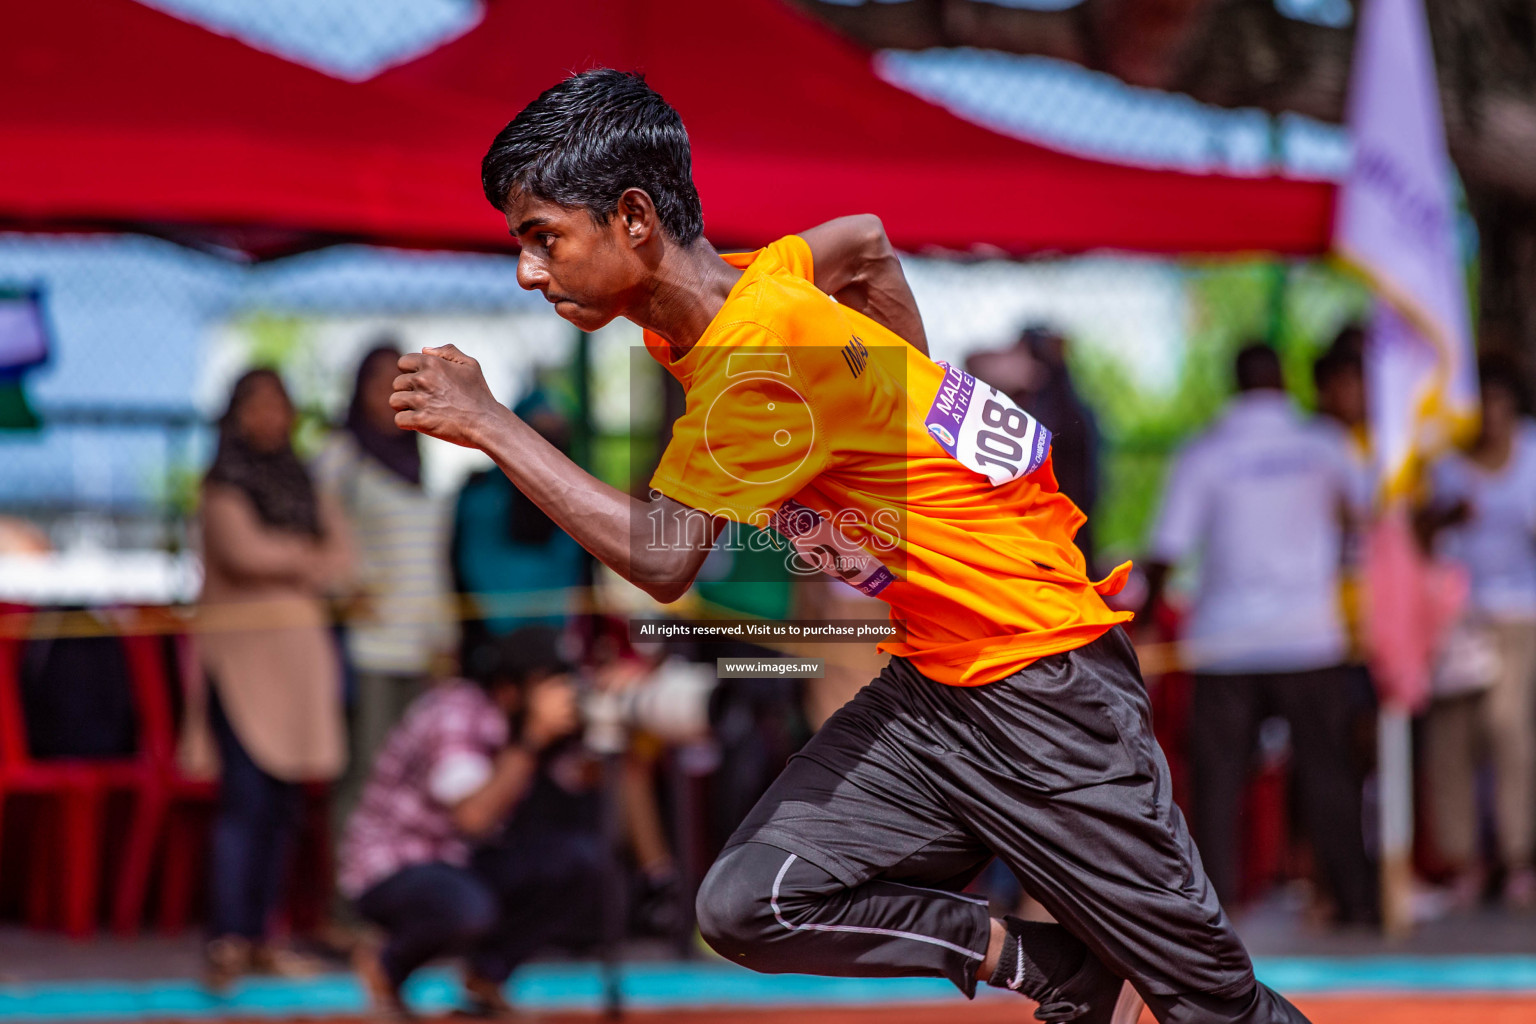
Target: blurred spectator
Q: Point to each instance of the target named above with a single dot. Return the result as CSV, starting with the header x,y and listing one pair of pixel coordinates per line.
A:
x,y
1034,374
400,624
272,547
1484,512
1262,498
1339,377
467,758
515,566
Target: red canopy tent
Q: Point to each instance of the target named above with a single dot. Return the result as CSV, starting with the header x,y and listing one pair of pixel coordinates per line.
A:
x,y
790,126
121,116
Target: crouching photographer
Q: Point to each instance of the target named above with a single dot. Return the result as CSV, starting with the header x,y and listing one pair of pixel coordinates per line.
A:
x,y
471,837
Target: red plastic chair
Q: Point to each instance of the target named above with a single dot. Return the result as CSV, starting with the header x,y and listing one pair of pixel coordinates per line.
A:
x,y
67,847
160,824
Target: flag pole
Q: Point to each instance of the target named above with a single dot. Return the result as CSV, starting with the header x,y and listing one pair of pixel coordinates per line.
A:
x,y
1394,772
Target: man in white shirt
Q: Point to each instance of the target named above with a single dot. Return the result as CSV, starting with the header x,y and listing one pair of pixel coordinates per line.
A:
x,y
1263,499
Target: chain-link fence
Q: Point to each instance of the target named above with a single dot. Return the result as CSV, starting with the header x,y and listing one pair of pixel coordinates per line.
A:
x,y
148,337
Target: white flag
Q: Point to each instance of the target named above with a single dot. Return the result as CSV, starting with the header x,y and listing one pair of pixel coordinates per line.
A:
x,y
1396,223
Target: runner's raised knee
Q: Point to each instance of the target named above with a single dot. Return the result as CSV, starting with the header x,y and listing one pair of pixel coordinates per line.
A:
x,y
749,899
734,907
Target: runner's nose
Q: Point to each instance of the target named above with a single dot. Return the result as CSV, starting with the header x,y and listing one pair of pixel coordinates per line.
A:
x,y
530,273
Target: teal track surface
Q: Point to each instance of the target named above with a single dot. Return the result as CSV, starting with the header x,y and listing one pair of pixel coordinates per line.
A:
x,y
577,987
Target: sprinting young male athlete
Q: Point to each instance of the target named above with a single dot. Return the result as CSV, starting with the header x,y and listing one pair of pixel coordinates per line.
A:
x,y
1011,720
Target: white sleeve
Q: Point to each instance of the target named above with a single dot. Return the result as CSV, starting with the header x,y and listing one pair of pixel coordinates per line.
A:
x,y
458,774
1352,475
1180,520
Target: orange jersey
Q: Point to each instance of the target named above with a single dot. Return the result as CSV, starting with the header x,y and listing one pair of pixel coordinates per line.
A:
x,y
909,479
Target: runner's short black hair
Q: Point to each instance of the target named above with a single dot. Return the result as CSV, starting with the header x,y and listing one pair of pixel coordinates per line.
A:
x,y
586,140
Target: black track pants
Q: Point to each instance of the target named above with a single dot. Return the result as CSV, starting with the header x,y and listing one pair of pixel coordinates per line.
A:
x,y
852,862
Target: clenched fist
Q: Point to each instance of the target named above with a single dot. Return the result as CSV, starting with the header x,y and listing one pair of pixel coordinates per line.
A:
x,y
441,392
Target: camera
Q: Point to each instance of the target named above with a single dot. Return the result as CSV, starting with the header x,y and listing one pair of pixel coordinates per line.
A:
x,y
671,702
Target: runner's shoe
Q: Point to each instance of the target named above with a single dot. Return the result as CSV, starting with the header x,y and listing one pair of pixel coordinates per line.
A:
x,y
1091,996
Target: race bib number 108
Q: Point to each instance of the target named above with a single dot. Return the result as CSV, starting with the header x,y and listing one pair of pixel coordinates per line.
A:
x,y
983,428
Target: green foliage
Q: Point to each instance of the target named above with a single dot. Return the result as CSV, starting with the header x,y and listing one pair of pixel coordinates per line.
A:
x,y
615,456
178,492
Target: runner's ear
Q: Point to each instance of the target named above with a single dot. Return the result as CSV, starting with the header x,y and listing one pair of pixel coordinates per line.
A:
x,y
637,213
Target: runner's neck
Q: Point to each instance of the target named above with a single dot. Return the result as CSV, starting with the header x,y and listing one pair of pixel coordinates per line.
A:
x,y
687,291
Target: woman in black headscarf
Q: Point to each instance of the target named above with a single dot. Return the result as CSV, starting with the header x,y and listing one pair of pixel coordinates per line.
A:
x,y
272,548
371,420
